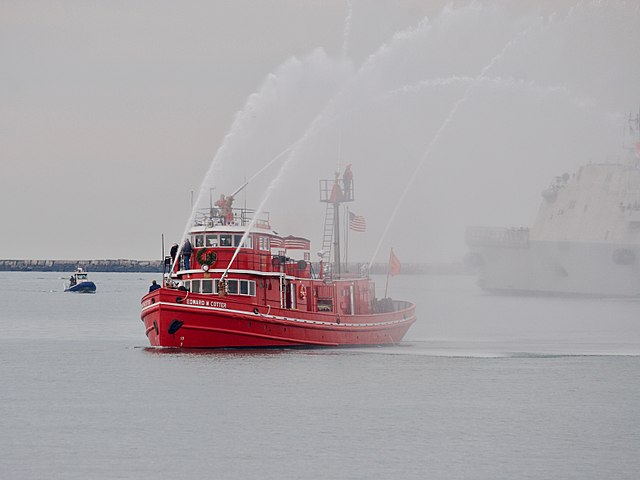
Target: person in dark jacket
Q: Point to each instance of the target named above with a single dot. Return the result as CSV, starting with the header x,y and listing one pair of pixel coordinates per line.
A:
x,y
187,249
173,252
154,286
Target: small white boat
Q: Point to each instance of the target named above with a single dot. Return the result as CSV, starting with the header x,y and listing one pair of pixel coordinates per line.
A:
x,y
80,283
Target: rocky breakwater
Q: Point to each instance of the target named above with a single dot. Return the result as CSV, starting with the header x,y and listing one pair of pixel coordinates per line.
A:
x,y
119,265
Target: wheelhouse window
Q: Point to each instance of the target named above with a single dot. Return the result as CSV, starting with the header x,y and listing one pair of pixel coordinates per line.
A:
x,y
207,286
228,240
199,240
247,242
234,286
211,240
263,243
225,240
239,287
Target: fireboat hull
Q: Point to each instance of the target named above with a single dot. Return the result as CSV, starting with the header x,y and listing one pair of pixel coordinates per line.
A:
x,y
179,320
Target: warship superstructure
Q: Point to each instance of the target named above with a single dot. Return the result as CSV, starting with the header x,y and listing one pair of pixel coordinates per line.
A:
x,y
585,239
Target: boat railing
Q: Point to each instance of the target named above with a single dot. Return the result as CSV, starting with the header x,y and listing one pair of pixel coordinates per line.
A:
x,y
388,305
337,190
503,237
400,305
210,217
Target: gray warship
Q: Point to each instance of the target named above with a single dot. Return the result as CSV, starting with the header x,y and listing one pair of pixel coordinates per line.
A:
x,y
585,240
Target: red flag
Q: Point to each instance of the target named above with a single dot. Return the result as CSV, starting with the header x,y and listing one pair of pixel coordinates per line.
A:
x,y
394,264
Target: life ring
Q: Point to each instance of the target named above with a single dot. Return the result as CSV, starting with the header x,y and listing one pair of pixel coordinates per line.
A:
x,y
303,292
206,257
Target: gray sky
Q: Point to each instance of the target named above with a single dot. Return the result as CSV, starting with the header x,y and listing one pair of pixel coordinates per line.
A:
x,y
112,113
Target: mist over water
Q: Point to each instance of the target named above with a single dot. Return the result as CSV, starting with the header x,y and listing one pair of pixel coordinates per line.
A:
x,y
554,99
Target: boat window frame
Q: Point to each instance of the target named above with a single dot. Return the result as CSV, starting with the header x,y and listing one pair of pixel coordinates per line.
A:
x,y
245,288
211,240
208,282
226,240
325,304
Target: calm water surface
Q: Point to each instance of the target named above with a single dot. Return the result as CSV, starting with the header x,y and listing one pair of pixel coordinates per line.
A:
x,y
483,387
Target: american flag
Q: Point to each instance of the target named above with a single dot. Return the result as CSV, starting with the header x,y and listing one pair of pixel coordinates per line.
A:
x,y
357,222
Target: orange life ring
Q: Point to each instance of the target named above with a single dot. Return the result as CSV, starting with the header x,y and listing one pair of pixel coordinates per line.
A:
x,y
303,292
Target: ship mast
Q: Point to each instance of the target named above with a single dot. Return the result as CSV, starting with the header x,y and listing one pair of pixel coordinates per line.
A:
x,y
336,192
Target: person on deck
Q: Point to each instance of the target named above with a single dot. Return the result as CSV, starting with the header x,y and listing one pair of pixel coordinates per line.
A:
x,y
220,204
174,253
228,212
154,286
187,249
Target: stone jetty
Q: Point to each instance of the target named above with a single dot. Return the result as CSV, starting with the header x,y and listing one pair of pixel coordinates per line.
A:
x,y
154,266
89,265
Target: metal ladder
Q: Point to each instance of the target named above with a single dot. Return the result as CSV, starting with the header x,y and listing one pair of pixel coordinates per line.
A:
x,y
327,237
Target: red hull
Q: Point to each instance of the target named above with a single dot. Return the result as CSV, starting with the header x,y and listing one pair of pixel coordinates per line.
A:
x,y
176,319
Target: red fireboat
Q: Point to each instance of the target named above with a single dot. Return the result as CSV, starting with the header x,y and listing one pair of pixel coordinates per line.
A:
x,y
247,286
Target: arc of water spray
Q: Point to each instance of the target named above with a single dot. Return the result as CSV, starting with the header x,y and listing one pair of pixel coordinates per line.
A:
x,y
314,127
380,53
473,81
347,29
437,136
193,213
260,208
508,82
267,165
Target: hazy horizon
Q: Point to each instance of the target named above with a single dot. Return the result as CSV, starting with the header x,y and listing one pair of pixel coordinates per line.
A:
x,y
115,114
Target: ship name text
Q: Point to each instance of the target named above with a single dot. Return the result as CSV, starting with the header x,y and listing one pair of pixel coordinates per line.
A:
x,y
206,303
